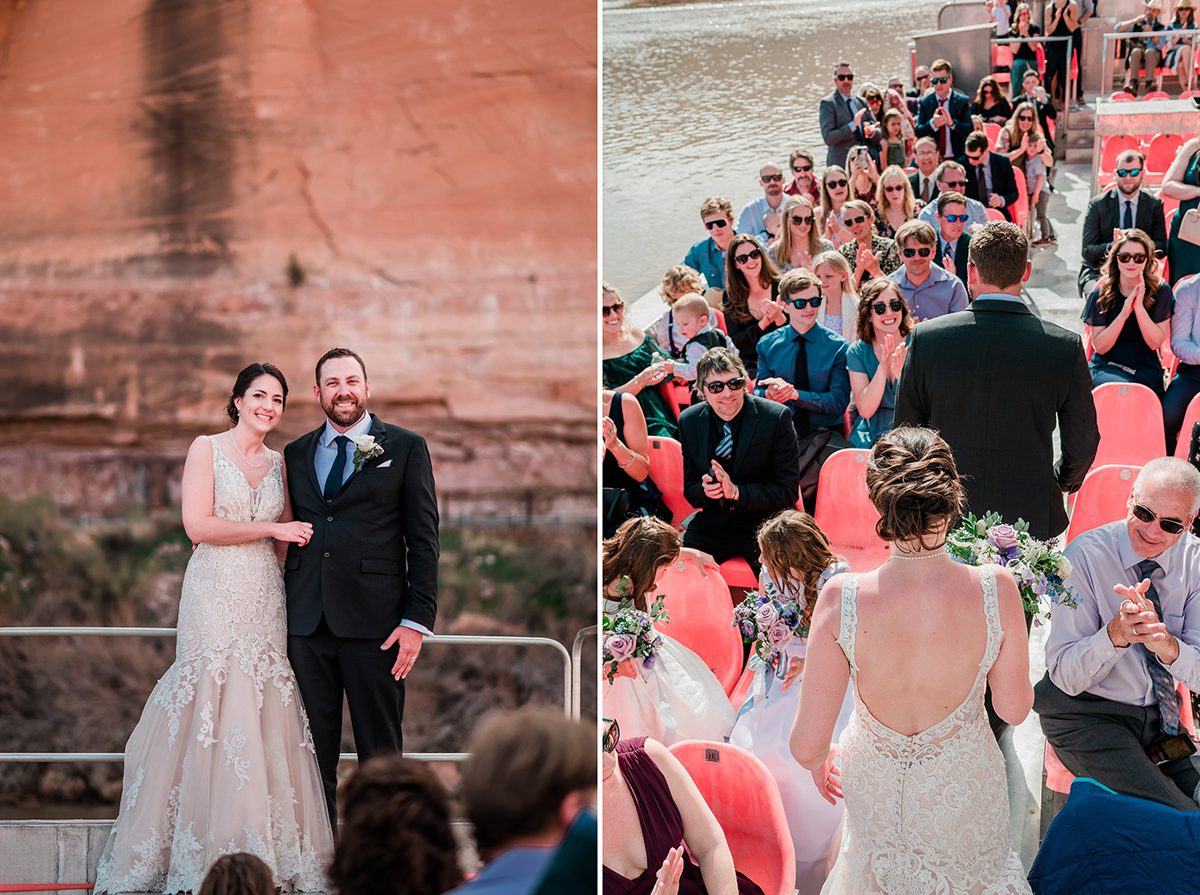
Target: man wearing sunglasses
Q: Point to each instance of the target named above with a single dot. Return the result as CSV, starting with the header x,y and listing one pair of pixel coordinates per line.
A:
x,y
1124,206
944,114
928,289
708,255
804,180
845,119
740,462
990,178
953,242
803,366
1108,703
951,177
753,217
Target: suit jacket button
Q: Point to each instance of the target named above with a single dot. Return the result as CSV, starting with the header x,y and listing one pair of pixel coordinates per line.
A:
x,y
327,556
328,518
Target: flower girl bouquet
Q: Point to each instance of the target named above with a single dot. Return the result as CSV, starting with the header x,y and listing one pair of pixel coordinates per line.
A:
x,y
1040,568
769,623
629,633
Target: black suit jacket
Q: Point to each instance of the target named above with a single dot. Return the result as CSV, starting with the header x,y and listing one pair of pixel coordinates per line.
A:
x,y
766,464
373,558
914,180
993,379
1004,182
1103,216
960,255
960,112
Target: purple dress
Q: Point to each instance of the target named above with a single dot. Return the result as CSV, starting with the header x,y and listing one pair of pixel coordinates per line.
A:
x,y
662,827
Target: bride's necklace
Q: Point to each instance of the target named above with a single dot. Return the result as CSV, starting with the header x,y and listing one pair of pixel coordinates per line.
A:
x,y
932,555
242,453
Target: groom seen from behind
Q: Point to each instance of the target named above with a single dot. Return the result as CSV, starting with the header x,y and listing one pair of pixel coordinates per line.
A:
x,y
362,594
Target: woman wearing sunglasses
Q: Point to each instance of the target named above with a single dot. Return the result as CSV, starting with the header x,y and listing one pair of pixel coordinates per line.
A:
x,y
835,190
752,308
800,240
868,255
894,202
1022,140
1127,316
989,103
634,365
839,311
876,359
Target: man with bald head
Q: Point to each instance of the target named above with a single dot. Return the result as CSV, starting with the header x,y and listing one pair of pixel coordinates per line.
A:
x,y
1108,703
767,208
1124,206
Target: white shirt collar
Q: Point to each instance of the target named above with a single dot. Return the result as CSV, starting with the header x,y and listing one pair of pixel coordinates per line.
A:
x,y
362,427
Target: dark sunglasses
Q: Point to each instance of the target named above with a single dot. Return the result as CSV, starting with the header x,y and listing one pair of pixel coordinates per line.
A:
x,y
802,219
845,77
612,309
612,735
974,159
1135,257
736,384
923,251
716,225
955,218
895,305
800,169
896,188
1024,118
836,184
771,178
1128,172
1170,526
742,259
955,184
942,80
851,222
798,303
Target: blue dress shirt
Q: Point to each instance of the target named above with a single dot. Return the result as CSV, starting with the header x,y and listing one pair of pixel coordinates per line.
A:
x,y
514,872
1185,324
976,214
706,258
753,219
828,392
942,293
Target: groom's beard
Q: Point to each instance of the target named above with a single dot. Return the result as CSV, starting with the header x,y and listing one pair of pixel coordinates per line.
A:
x,y
344,417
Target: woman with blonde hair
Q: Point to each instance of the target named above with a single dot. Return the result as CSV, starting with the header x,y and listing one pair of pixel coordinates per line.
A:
x,y
801,239
1127,316
633,363
752,306
835,190
679,280
839,310
875,360
796,562
895,203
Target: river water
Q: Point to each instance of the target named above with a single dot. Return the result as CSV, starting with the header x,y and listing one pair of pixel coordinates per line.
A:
x,y
697,97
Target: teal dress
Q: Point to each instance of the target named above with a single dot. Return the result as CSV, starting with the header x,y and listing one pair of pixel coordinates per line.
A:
x,y
619,370
860,358
1184,257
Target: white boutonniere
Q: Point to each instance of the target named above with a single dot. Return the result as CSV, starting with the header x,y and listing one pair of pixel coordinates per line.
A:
x,y
365,448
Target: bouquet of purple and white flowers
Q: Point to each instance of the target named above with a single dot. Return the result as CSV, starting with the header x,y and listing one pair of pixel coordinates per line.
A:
x,y
769,623
628,634
1040,568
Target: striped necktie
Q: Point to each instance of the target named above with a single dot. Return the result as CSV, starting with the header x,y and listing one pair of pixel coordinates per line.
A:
x,y
725,445
1164,685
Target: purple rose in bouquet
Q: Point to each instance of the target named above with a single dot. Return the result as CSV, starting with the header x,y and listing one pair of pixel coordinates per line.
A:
x,y
779,635
766,616
1003,536
620,647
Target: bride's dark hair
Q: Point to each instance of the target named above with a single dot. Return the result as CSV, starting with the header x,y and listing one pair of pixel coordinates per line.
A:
x,y
914,484
247,376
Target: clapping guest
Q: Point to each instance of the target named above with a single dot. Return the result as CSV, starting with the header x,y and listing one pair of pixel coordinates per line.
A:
x,y
944,114
1185,344
953,243
951,178
1025,54
839,310
751,307
894,202
1123,207
876,359
1128,315
804,178
678,281
835,190
801,239
633,363
1022,141
989,103
869,255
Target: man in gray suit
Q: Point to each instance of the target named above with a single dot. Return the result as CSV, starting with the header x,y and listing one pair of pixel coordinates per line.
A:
x,y
845,119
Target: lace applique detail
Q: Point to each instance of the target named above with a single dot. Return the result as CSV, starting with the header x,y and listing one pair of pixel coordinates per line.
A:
x,y
234,743
132,794
205,737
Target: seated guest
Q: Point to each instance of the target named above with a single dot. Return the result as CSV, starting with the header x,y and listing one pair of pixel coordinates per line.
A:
x,y
708,255
804,367
894,203
633,364
1123,207
740,460
801,239
530,772
869,255
1182,182
1034,94
953,243
990,179
944,113
952,177
1021,139
753,217
628,489
1141,53
989,103
928,290
679,280
864,173
923,180
835,190
751,287
1127,318
692,320
876,359
395,837
652,810
240,873
804,178
839,311
1185,344
1108,703
1177,51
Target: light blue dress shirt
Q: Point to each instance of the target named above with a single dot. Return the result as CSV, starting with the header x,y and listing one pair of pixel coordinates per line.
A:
x,y
1185,324
752,219
976,214
942,293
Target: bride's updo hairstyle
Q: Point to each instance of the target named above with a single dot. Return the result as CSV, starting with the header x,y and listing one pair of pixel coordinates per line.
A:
x,y
639,548
914,484
242,384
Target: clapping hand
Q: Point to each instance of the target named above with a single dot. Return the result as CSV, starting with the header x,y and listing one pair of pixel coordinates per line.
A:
x,y
828,778
609,430
779,390
941,117
898,357
719,486
1137,622
410,647
995,200
948,264
667,879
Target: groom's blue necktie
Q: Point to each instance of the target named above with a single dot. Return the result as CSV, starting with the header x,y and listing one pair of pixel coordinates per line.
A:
x,y
334,482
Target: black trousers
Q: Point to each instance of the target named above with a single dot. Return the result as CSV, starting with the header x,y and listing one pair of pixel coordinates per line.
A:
x,y
326,667
1102,739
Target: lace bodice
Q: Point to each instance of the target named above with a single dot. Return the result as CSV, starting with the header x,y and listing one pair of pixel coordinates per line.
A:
x,y
234,499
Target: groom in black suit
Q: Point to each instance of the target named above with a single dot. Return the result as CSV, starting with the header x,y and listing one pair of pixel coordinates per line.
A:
x,y
367,581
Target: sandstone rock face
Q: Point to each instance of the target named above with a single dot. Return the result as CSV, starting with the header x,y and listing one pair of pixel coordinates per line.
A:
x,y
189,187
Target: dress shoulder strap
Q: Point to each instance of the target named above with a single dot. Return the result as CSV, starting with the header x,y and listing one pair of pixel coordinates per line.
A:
x,y
616,413
991,614
849,620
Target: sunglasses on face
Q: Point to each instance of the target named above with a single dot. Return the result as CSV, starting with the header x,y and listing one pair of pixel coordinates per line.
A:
x,y
802,219
837,184
923,252
845,77
1128,172
736,385
801,169
717,225
922,77
771,178
953,184
1131,257
895,305
941,80
612,735
974,159
895,188
955,218
1170,526
1024,118
746,258
608,310
798,303
854,222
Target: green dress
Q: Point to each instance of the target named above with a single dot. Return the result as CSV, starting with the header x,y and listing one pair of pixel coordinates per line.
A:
x,y
1183,256
619,370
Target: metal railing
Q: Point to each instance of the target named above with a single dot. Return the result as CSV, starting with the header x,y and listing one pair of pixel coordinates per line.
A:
x,y
577,667
570,708
1068,87
1109,51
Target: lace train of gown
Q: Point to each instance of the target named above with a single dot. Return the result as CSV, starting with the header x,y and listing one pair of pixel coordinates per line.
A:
x,y
926,814
222,759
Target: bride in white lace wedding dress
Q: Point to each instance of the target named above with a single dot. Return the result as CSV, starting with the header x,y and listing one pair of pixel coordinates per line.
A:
x,y
222,759
920,638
